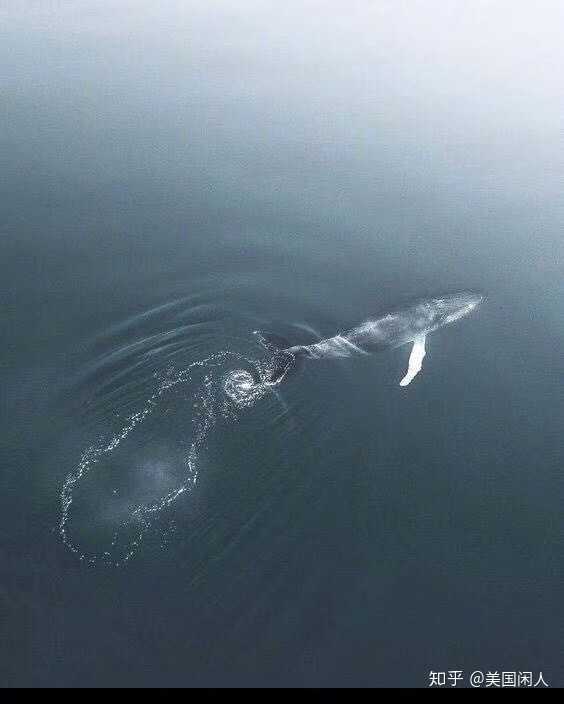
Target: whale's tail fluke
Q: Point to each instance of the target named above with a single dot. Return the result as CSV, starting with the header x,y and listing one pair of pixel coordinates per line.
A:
x,y
271,342
283,360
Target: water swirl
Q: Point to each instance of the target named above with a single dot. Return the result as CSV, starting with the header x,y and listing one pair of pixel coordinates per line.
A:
x,y
219,394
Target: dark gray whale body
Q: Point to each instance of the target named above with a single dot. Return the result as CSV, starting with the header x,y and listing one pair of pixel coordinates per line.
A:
x,y
410,325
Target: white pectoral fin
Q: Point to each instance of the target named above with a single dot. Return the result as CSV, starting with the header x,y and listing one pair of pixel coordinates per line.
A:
x,y
415,360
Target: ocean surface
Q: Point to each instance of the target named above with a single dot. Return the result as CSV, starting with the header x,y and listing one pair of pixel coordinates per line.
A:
x,y
176,175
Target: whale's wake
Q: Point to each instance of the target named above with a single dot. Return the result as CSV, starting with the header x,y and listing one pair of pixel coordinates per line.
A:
x,y
123,484
221,393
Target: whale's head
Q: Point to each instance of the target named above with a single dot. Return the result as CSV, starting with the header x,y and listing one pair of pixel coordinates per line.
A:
x,y
450,308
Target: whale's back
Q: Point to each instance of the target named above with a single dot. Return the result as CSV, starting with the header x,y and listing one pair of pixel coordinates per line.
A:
x,y
371,336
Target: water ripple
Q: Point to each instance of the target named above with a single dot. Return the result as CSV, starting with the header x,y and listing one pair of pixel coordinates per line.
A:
x,y
153,393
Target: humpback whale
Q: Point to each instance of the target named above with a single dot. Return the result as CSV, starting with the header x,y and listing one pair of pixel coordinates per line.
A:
x,y
410,325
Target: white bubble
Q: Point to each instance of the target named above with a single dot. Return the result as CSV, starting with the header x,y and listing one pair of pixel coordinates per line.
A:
x,y
218,394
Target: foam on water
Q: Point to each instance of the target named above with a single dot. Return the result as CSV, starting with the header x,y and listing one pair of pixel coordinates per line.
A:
x,y
221,394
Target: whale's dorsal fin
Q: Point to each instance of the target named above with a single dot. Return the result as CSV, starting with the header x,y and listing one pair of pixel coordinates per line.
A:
x,y
415,360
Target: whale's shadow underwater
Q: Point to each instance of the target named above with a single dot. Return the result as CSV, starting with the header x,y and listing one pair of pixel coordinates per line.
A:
x,y
397,328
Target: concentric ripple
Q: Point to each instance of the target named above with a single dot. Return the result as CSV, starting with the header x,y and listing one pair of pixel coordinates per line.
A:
x,y
150,395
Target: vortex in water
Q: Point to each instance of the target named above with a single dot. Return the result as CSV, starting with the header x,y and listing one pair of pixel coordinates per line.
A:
x,y
239,385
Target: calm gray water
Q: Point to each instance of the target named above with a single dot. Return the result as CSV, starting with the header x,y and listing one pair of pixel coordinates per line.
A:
x,y
175,175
